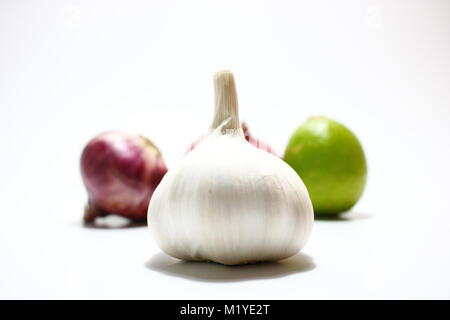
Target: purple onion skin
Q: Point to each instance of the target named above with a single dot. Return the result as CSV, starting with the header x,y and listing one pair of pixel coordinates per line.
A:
x,y
255,142
120,172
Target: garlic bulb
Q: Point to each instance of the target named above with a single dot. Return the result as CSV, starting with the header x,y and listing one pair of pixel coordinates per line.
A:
x,y
228,201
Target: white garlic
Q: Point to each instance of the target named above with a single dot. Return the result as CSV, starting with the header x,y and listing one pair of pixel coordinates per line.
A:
x,y
228,201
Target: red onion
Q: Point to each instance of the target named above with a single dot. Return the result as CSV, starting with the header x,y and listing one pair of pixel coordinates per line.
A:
x,y
257,143
120,172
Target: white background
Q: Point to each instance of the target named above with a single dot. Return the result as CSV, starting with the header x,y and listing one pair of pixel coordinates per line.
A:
x,y
72,69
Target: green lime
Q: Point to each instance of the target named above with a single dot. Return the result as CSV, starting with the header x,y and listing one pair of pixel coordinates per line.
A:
x,y
331,162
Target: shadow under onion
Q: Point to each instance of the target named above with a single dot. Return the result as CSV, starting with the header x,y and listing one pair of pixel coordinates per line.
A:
x,y
113,221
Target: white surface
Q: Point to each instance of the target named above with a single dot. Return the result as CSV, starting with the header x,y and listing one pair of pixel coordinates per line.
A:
x,y
71,69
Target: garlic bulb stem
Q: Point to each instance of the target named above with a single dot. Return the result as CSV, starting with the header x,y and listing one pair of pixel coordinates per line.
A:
x,y
226,104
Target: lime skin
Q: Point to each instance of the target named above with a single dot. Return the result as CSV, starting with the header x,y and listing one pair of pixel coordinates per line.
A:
x,y
331,162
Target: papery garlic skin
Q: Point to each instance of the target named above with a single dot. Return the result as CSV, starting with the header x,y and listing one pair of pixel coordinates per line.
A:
x,y
229,202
